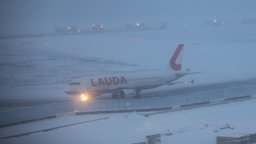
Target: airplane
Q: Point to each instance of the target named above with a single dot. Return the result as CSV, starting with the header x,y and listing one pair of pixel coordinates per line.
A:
x,y
117,83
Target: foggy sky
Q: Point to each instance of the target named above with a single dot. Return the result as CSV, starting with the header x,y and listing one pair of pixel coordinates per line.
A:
x,y
29,15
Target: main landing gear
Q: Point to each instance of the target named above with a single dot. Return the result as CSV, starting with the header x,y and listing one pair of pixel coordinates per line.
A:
x,y
120,94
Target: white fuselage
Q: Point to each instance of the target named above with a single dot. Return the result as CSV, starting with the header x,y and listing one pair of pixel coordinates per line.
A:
x,y
109,83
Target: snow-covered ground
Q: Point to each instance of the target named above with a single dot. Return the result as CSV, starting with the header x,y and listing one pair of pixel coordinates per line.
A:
x,y
41,67
200,126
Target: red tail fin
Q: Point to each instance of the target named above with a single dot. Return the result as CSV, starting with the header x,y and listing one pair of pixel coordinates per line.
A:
x,y
175,61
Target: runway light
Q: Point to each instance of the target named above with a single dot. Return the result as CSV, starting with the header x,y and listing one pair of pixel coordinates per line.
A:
x,y
84,97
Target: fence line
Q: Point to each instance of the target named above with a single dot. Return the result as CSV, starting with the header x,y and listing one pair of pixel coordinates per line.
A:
x,y
213,95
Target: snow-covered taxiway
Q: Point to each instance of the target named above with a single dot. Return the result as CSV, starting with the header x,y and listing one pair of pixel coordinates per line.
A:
x,y
200,125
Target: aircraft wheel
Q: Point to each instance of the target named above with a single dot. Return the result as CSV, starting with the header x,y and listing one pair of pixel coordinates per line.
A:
x,y
115,95
122,94
118,94
137,93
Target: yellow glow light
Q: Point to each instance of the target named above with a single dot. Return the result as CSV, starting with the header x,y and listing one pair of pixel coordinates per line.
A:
x,y
84,97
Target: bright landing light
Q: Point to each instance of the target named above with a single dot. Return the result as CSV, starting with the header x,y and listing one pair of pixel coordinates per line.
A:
x,y
84,97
